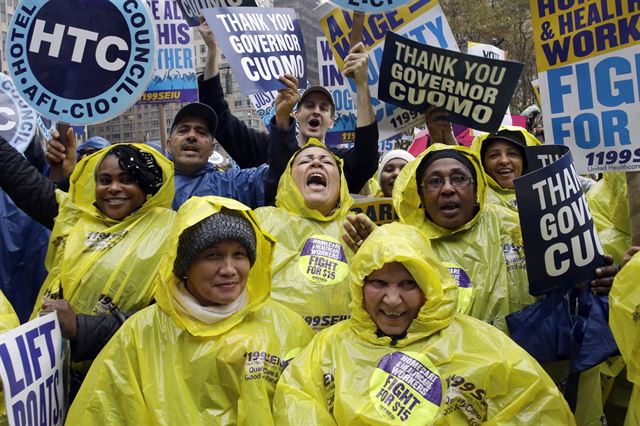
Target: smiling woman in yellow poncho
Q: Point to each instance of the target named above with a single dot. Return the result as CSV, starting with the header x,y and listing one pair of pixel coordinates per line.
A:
x,y
485,243
310,265
406,358
101,258
503,160
213,347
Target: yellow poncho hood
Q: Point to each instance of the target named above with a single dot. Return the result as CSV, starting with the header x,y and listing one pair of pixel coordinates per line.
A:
x,y
289,197
102,263
258,282
82,182
8,317
406,198
396,242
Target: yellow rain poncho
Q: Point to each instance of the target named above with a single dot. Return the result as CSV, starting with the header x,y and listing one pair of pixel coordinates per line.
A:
x,y
624,319
372,187
8,320
497,194
104,264
487,249
310,263
8,317
608,204
166,368
449,369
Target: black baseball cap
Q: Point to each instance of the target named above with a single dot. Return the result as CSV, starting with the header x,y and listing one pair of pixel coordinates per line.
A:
x,y
514,136
197,109
317,89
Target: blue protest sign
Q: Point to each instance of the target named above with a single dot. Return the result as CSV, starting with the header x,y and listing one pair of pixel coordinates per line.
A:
x,y
260,44
370,6
561,245
81,62
476,91
174,77
31,368
17,119
192,9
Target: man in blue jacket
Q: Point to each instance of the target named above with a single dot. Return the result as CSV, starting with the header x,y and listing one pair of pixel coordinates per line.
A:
x,y
190,145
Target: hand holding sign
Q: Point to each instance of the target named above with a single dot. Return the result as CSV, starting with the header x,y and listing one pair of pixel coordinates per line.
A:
x,y
604,277
357,228
212,65
61,156
286,100
475,91
66,316
561,245
356,65
440,129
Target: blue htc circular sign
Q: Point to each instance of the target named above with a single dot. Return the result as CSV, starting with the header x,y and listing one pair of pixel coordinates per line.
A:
x,y
80,61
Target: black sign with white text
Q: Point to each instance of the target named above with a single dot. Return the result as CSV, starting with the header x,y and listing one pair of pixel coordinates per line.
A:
x,y
561,245
476,91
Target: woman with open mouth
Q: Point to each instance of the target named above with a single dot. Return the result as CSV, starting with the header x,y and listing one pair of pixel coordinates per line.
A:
x,y
406,356
310,265
212,348
442,193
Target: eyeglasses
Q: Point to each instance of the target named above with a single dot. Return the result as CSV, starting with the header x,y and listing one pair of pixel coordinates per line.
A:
x,y
436,182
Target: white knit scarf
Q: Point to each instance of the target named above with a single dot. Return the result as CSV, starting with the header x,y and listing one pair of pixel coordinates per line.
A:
x,y
187,305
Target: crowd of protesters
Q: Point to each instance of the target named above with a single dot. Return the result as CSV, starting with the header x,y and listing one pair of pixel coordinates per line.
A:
x,y
192,295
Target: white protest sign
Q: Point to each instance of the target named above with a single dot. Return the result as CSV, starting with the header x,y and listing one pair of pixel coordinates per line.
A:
x,y
588,60
260,44
31,367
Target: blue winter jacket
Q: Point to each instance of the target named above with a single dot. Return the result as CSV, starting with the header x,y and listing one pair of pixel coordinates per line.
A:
x,y
244,185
